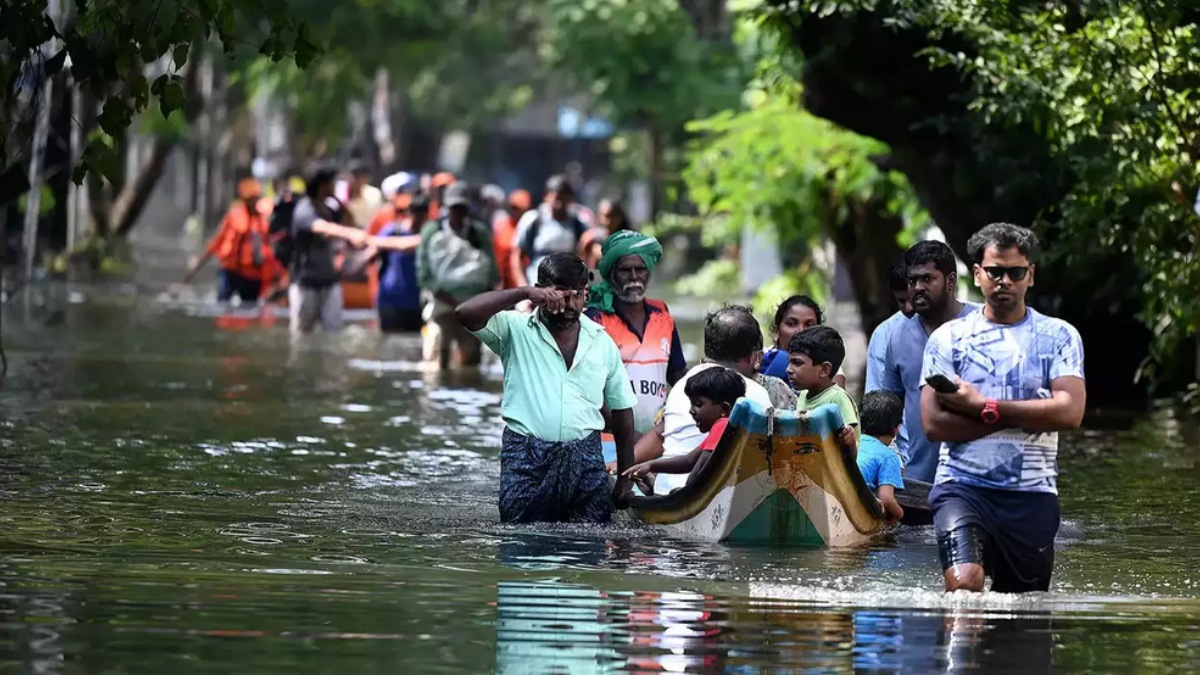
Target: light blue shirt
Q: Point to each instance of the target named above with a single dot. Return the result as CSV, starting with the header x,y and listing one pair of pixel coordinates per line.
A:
x,y
879,464
1007,362
876,364
902,375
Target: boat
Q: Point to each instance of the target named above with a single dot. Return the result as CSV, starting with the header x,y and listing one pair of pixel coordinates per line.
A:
x,y
775,478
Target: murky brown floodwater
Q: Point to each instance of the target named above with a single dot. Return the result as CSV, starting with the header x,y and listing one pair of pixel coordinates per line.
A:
x,y
184,493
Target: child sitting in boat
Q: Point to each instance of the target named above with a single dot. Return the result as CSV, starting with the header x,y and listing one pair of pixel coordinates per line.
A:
x,y
882,412
713,393
814,357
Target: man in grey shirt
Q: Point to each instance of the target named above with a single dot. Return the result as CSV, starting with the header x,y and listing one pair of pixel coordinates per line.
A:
x,y
315,294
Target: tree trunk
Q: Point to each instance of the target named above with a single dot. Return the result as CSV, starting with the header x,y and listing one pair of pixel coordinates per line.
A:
x,y
867,245
871,77
128,205
658,152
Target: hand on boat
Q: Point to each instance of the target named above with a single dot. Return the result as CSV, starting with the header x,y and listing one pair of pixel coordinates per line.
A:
x,y
849,437
622,492
967,400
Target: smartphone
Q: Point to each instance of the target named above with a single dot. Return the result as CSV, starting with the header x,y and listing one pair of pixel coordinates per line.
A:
x,y
941,384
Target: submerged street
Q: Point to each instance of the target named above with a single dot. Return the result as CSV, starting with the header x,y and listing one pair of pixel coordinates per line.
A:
x,y
186,491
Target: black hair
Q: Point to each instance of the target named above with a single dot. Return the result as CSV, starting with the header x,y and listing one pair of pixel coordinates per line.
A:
x,y
318,176
358,168
898,278
1002,236
880,413
559,183
935,252
731,334
419,202
786,306
565,270
822,344
717,384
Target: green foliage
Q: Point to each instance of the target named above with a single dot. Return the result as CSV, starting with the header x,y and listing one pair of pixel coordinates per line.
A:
x,y
805,281
460,61
716,277
1112,88
777,168
108,43
641,60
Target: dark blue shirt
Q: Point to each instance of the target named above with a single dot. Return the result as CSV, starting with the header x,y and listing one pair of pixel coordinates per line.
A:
x,y
398,285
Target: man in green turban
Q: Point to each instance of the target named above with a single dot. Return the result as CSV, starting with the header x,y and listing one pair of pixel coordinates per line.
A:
x,y
643,329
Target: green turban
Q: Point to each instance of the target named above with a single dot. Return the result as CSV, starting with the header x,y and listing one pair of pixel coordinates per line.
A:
x,y
617,246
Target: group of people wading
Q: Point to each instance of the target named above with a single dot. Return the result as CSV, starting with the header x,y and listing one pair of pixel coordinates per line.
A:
x,y
420,244
969,397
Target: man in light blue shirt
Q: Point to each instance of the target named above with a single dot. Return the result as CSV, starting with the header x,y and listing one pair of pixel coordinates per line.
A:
x,y
878,344
560,370
932,273
1019,378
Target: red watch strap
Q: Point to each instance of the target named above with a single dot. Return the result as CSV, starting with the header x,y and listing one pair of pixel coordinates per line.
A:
x,y
991,411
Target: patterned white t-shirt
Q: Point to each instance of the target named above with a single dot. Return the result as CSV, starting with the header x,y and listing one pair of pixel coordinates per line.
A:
x,y
1014,362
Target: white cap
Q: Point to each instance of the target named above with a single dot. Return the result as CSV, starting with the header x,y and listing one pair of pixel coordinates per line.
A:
x,y
395,183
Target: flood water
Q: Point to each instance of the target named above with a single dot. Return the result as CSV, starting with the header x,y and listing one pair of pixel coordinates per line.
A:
x,y
183,493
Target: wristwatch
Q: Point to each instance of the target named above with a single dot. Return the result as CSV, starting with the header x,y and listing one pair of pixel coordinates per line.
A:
x,y
991,411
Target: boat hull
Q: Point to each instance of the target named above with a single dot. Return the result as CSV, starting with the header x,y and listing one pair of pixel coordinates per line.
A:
x,y
776,478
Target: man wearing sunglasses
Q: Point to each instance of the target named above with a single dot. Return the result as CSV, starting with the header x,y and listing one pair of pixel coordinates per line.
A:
x,y
559,371
1020,381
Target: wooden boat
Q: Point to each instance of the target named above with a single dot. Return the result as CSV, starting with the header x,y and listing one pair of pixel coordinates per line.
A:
x,y
776,477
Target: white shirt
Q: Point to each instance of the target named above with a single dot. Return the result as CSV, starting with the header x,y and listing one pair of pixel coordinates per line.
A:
x,y
680,433
553,236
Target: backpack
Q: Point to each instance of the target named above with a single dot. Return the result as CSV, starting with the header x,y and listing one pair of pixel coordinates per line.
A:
x,y
279,232
530,238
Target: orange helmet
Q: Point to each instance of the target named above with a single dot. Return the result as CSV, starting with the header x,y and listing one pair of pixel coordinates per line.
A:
x,y
520,199
249,189
441,180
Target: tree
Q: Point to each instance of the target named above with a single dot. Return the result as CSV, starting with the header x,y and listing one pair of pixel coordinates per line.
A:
x,y
776,167
1076,118
107,43
645,66
460,62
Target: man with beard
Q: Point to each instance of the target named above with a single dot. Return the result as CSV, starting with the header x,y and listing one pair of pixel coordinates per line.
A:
x,y
933,289
559,371
1019,377
643,329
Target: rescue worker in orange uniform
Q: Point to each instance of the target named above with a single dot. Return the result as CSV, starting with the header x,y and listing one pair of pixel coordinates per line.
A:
x,y
241,247
643,329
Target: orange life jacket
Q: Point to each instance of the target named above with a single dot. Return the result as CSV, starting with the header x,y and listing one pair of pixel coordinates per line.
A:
x,y
504,240
241,244
646,359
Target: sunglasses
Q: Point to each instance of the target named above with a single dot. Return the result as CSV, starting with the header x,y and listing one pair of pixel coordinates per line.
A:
x,y
997,273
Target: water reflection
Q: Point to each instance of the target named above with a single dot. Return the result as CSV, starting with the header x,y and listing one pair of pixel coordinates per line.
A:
x,y
551,626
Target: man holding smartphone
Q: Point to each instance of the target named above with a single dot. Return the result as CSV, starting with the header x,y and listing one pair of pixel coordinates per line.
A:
x,y
1019,377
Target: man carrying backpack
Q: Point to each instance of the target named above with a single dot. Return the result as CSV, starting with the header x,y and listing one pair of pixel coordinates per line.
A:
x,y
555,226
241,246
315,294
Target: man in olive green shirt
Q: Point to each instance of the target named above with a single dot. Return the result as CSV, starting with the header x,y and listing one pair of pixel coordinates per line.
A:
x,y
560,369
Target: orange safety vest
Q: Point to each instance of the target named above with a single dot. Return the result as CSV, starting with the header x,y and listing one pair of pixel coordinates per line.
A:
x,y
241,244
646,359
